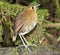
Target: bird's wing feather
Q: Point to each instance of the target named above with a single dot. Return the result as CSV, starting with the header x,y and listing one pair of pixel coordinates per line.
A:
x,y
19,23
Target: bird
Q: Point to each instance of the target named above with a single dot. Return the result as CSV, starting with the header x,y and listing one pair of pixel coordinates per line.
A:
x,y
25,23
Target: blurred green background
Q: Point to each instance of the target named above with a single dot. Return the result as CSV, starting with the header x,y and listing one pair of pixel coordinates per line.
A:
x,y
47,31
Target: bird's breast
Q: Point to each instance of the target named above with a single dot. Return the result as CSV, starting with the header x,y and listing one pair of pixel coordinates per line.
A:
x,y
28,26
33,24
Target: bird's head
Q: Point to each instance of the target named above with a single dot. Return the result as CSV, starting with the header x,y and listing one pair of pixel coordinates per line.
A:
x,y
32,7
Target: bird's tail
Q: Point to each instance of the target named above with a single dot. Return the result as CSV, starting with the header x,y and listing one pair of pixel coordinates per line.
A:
x,y
14,38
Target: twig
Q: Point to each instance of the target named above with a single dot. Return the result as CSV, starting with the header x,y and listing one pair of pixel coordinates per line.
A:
x,y
43,38
51,37
51,25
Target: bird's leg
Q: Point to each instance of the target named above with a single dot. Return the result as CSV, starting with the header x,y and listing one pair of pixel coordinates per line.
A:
x,y
27,42
24,43
25,38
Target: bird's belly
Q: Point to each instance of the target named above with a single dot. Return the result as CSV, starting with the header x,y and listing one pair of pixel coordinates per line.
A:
x,y
31,27
26,28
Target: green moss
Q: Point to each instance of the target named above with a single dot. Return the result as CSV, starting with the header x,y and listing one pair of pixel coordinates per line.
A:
x,y
11,10
14,10
57,13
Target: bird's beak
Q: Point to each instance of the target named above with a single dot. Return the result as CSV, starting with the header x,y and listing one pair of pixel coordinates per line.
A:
x,y
37,5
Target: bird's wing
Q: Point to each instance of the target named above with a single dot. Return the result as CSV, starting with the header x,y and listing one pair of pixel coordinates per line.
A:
x,y
19,23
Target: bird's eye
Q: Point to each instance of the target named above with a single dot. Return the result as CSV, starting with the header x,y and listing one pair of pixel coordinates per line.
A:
x,y
32,7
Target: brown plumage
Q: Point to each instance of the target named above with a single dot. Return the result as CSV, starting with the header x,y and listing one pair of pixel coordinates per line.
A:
x,y
26,21
27,16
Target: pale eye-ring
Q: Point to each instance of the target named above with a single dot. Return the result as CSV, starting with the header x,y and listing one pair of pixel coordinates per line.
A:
x,y
33,7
